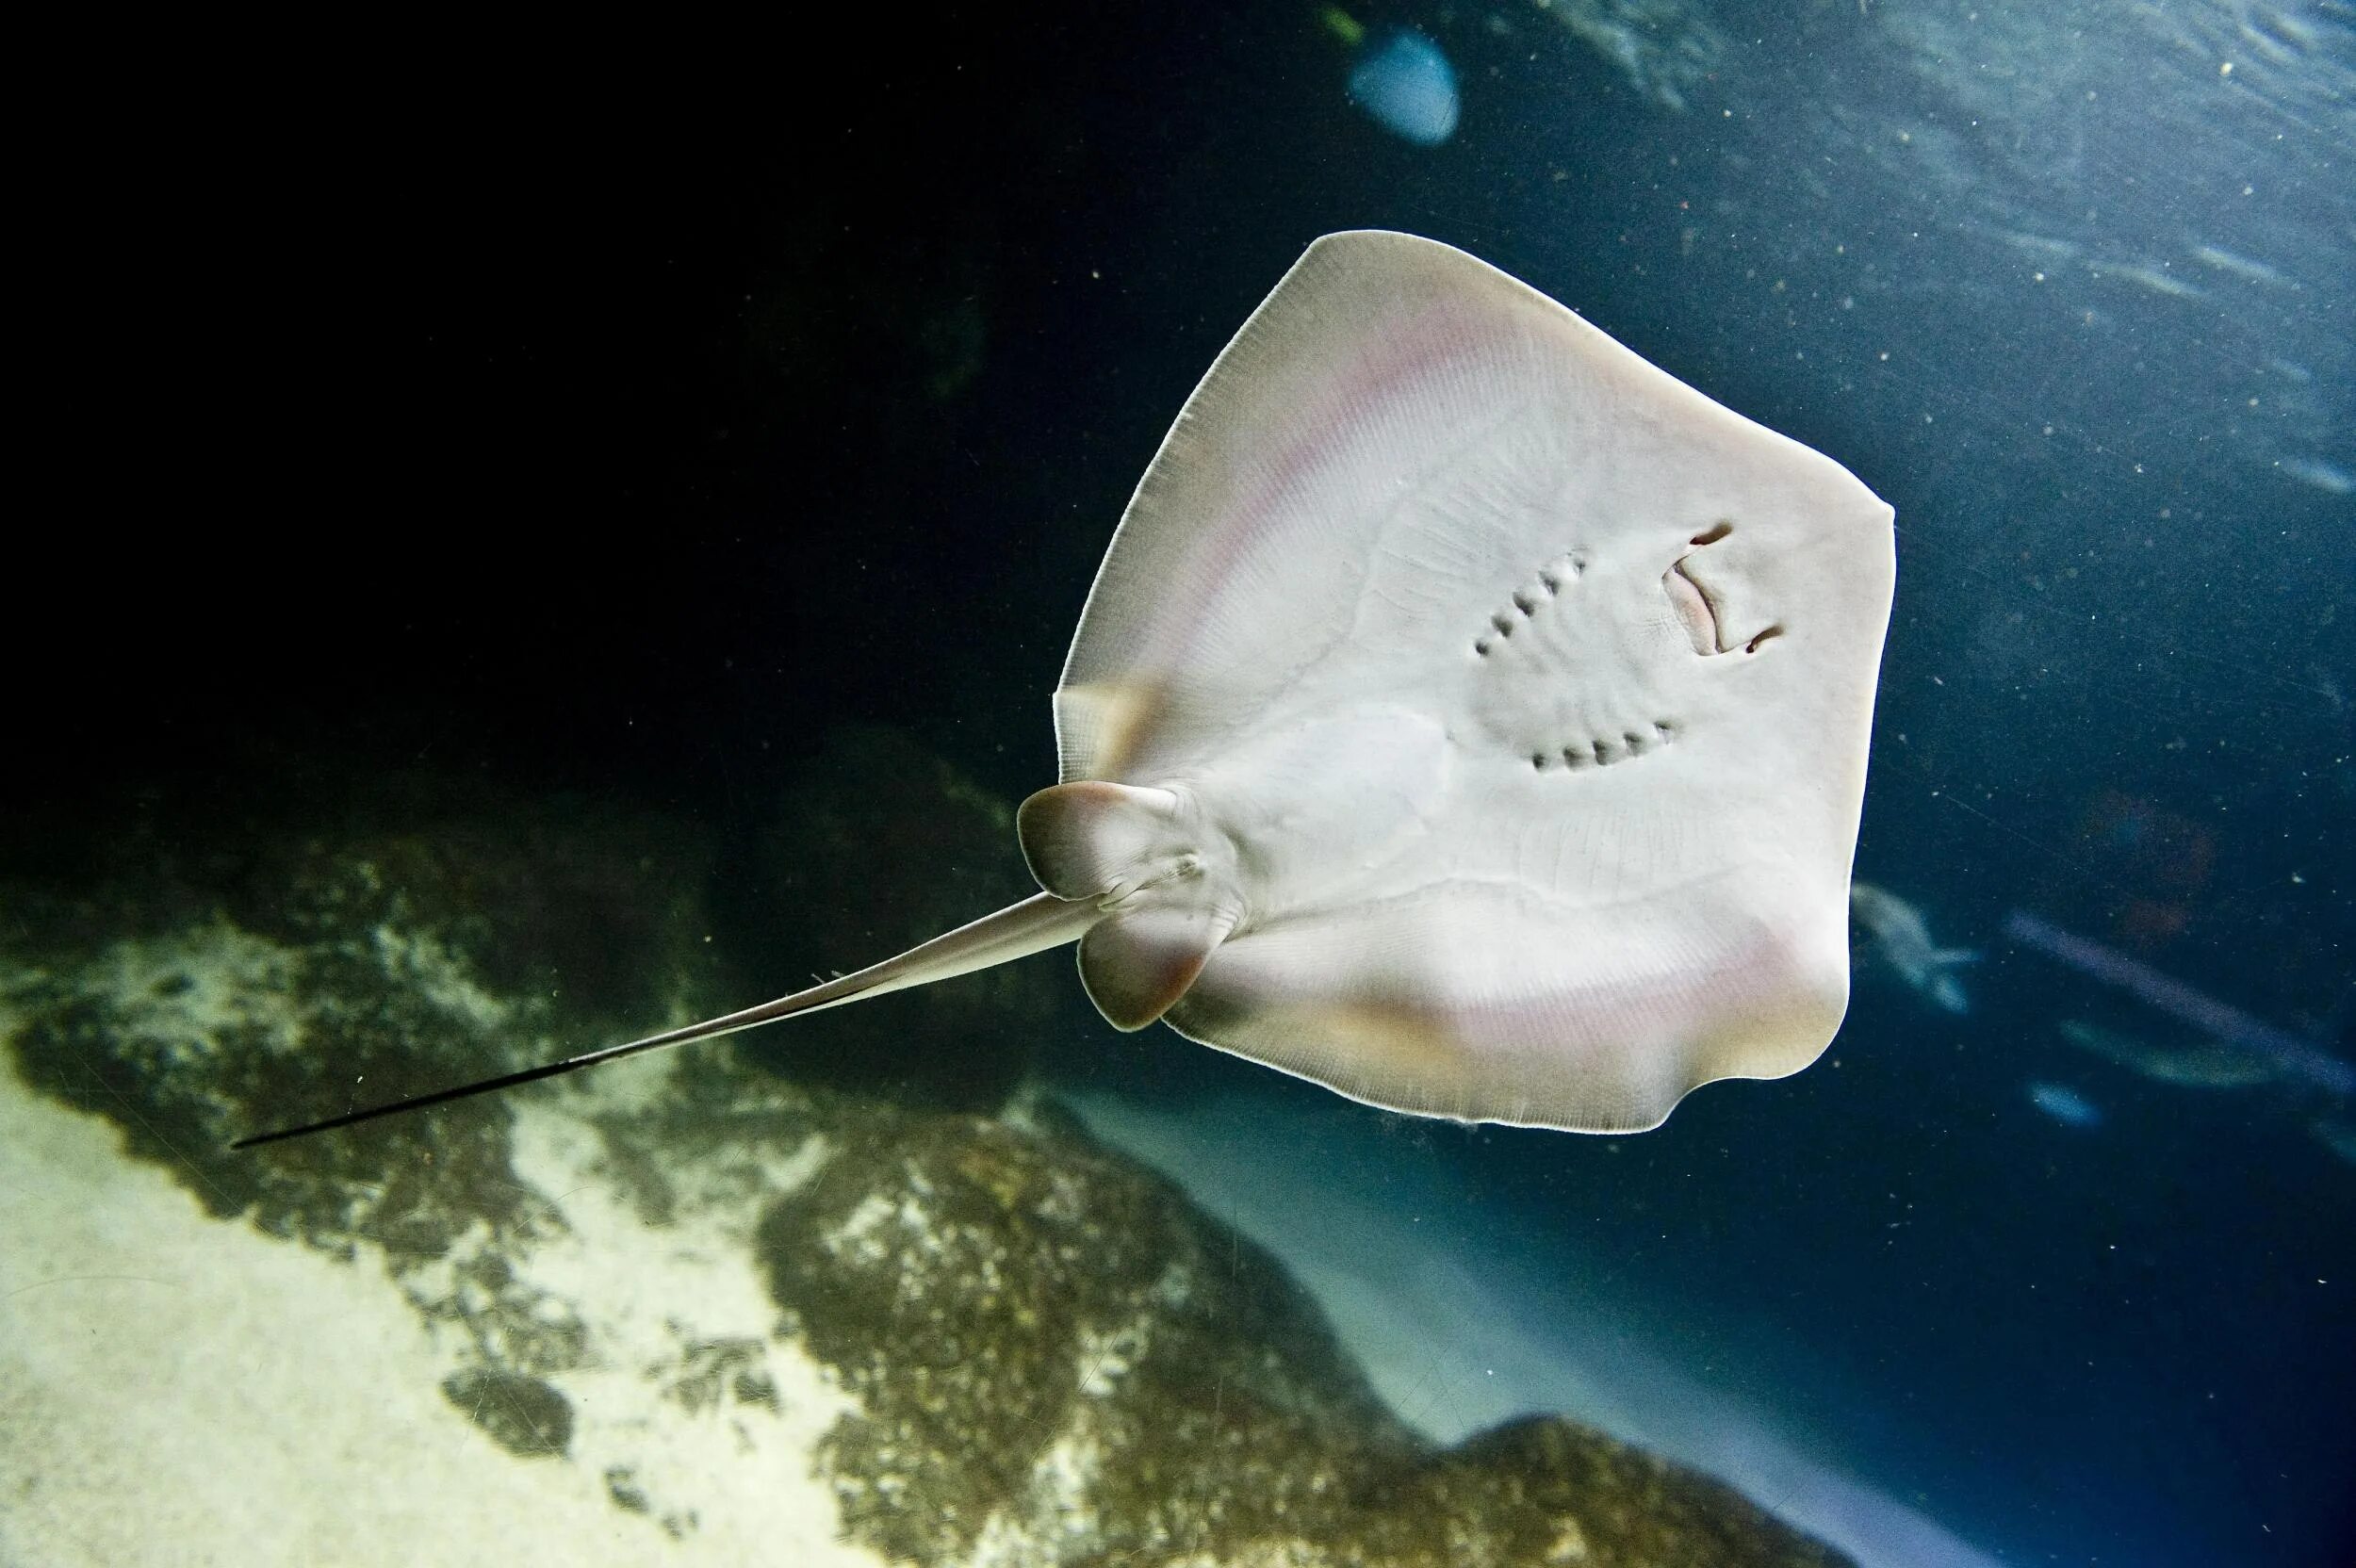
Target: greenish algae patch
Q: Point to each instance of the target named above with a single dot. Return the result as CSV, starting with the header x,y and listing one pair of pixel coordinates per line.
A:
x,y
525,1416
1058,1359
697,1285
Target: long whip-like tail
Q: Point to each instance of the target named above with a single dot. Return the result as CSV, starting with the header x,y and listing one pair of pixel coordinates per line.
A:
x,y
1031,926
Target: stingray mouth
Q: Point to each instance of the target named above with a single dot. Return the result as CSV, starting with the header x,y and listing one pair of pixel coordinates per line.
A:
x,y
1698,610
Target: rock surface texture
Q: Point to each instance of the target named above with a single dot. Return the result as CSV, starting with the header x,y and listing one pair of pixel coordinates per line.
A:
x,y
681,1310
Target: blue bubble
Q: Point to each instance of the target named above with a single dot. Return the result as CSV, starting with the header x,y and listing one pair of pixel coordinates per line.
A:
x,y
1408,86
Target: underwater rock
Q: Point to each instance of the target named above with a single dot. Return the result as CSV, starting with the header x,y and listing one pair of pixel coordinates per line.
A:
x,y
704,1308
565,1301
416,934
1058,1359
524,1415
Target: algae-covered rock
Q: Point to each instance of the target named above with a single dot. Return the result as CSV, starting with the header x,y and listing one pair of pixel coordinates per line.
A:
x,y
524,1415
721,1301
433,935
1048,1343
1058,1360
402,941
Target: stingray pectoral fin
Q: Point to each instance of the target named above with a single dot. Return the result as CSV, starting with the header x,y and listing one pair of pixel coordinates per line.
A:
x,y
1138,963
1460,1002
1017,931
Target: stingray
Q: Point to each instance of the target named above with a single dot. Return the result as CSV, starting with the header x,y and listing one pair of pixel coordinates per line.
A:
x,y
1467,716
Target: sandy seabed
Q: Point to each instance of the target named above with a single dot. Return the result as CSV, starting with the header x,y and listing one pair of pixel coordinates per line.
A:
x,y
177,1389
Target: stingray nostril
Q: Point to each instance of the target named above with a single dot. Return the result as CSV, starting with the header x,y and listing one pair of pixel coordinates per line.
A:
x,y
1773,631
1717,531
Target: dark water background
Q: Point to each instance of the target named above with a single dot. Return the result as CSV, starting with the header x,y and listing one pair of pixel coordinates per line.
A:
x,y
589,430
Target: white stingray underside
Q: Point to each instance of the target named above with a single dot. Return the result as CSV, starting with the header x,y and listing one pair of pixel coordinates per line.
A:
x,y
1517,693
